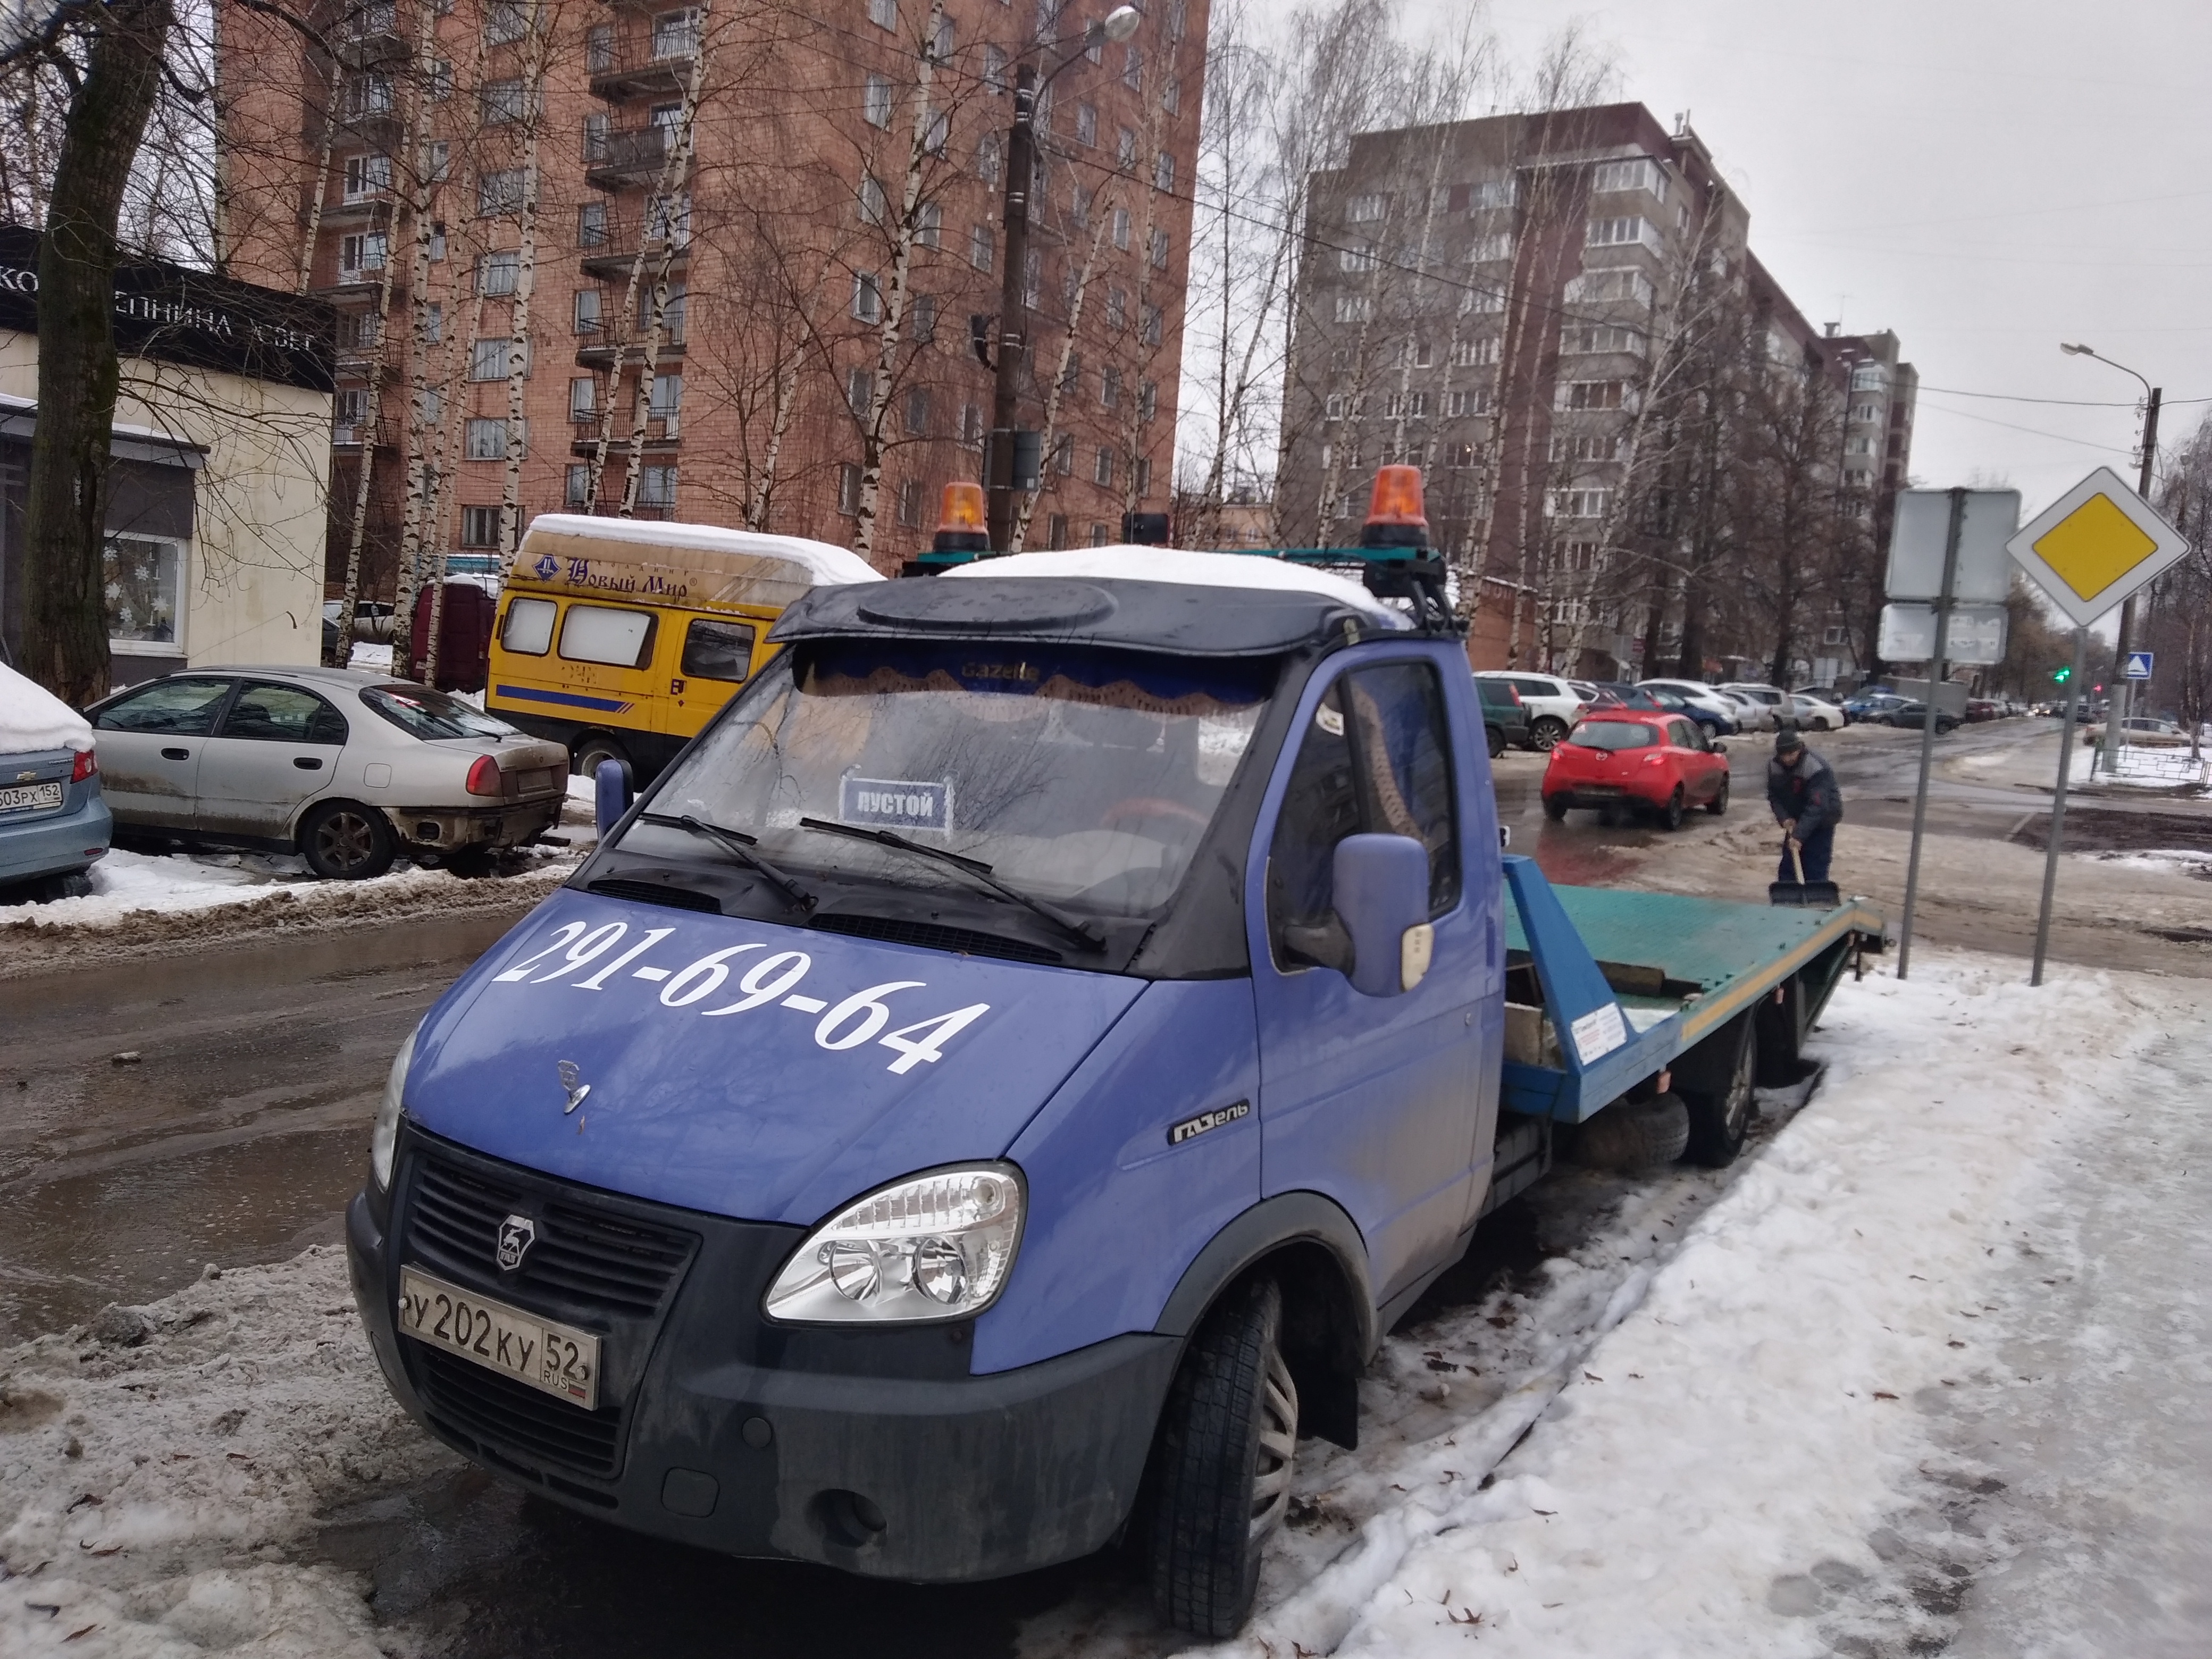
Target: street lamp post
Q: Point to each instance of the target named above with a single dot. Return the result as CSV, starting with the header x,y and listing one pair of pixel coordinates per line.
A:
x,y
2116,719
1013,289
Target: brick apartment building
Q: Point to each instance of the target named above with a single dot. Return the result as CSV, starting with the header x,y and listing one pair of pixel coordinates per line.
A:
x,y
1502,300
765,323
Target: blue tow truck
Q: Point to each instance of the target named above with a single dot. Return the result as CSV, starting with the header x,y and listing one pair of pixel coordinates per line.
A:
x,y
991,1094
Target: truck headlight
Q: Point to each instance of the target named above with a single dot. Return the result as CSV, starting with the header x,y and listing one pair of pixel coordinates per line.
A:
x,y
932,1247
384,1136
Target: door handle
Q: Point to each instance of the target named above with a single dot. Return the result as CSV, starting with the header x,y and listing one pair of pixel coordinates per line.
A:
x,y
308,763
176,754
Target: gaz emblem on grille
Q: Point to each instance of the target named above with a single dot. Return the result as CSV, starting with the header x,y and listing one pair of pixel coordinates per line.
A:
x,y
516,1234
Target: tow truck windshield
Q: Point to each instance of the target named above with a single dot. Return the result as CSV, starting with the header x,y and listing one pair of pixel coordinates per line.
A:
x,y
1078,776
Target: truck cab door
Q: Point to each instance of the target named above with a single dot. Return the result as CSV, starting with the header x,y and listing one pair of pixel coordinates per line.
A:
x,y
1388,1104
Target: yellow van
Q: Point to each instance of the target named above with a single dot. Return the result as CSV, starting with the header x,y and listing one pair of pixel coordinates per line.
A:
x,y
620,637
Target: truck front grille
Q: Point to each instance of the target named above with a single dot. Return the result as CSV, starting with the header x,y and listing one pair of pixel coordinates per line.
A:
x,y
481,1405
588,1258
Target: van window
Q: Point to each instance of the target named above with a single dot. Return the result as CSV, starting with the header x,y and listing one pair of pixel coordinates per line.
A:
x,y
528,630
1375,759
717,650
599,633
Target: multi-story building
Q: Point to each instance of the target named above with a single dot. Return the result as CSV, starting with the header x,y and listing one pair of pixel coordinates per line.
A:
x,y
1542,310
622,257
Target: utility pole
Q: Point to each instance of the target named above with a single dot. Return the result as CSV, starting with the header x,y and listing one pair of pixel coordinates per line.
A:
x,y
1013,311
2121,707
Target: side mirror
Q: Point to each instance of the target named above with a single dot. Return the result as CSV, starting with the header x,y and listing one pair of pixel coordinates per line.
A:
x,y
612,792
1719,748
1382,900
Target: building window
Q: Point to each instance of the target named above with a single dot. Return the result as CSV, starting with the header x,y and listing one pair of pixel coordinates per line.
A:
x,y
429,406
1132,68
665,403
1491,250
1365,207
584,399
1870,377
1144,479
1102,471
1358,257
361,253
1461,404
349,414
366,177
499,192
359,331
859,391
982,247
874,206
592,225
1642,173
922,321
1164,171
675,35
971,423
986,158
928,223
479,527
485,439
1417,405
1121,228
656,488
1109,388
995,69
438,80
868,297
1622,233
1577,503
505,20
587,314
1159,250
1599,340
368,94
876,102
1125,148
578,492
143,579
503,102
498,273
1063,454
1622,287
1148,400
489,360
884,14
1086,125
1593,394
1354,307
917,412
909,503
1055,532
1334,405
849,489
1171,97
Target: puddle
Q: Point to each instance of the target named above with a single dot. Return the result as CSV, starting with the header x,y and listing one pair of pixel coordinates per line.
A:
x,y
69,1246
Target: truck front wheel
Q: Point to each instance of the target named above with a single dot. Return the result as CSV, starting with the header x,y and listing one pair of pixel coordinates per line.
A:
x,y
1221,1466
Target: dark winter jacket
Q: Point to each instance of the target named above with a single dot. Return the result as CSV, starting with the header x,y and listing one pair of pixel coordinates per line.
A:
x,y
1806,792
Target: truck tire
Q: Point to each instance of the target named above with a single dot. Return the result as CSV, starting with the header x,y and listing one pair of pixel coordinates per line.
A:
x,y
1720,1118
1548,731
1630,1135
344,841
1221,1465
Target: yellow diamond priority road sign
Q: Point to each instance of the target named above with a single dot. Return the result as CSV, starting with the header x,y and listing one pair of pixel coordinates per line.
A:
x,y
2096,544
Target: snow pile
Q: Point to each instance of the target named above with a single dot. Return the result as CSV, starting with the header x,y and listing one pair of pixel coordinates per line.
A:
x,y
34,719
155,1465
371,658
1714,1464
2159,862
2140,768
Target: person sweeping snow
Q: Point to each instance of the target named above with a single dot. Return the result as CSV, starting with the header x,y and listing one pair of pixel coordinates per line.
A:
x,y
1807,803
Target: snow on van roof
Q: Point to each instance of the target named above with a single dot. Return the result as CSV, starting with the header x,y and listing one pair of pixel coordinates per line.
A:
x,y
695,563
33,720
1188,568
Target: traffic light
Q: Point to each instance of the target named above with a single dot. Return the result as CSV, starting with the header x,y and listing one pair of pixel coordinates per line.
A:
x,y
2063,675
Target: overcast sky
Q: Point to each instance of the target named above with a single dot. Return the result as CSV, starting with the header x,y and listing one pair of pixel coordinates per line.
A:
x,y
1986,177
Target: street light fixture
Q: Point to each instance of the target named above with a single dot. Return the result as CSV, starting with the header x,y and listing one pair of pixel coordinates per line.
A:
x,y
1003,475
2116,720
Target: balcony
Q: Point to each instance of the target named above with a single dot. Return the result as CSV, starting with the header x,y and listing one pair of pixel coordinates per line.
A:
x,y
611,259
357,434
659,67
354,283
661,437
361,209
635,156
600,350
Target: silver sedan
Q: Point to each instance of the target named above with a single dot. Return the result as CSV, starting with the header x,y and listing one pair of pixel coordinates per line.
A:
x,y
346,769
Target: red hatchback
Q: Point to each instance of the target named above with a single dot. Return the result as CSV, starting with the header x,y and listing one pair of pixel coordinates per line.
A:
x,y
1626,757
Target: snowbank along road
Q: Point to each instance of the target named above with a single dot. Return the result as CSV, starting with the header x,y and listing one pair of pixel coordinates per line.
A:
x,y
1831,1401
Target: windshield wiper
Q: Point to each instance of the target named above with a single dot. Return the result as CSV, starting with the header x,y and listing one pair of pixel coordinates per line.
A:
x,y
739,845
1083,934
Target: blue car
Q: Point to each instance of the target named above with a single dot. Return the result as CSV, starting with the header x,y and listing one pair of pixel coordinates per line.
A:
x,y
54,823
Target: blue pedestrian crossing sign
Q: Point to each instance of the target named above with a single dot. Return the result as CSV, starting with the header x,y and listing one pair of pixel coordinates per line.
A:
x,y
2137,666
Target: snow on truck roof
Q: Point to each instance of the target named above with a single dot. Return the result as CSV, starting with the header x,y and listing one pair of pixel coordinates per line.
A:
x,y
33,721
1188,568
692,564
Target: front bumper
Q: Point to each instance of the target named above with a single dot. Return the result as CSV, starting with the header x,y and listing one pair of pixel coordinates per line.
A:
x,y
720,1429
59,844
454,830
